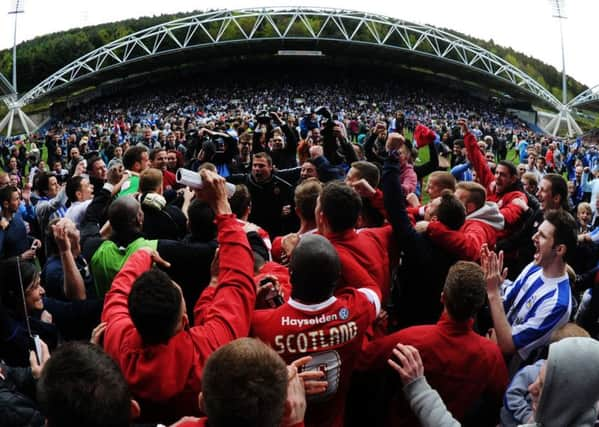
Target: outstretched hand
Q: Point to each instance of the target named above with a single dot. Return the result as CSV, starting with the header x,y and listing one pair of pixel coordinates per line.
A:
x,y
98,334
394,141
288,244
492,265
295,405
380,129
410,365
266,293
156,258
80,168
518,201
276,118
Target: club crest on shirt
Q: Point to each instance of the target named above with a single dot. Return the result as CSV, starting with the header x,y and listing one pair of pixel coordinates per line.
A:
x,y
344,313
530,302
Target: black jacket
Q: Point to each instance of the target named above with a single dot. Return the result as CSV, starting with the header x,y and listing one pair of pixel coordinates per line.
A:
x,y
190,266
96,214
15,342
286,157
166,223
419,280
17,398
268,199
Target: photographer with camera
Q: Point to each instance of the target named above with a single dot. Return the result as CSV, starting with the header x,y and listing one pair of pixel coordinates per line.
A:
x,y
308,122
336,147
374,145
218,148
276,138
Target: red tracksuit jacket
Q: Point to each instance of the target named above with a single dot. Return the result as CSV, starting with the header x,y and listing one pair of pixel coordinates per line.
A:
x,y
364,256
332,333
510,211
167,377
465,242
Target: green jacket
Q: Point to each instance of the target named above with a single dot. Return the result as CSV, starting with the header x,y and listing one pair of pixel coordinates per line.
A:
x,y
108,260
130,186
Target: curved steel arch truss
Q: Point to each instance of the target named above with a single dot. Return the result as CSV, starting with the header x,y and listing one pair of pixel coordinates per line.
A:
x,y
586,97
227,26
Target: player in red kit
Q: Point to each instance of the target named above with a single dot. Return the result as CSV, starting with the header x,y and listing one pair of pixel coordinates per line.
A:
x,y
315,322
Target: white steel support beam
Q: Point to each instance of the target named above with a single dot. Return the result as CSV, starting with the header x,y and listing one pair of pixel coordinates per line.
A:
x,y
586,97
341,26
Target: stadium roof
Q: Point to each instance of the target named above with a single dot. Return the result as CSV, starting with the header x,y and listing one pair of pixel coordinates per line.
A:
x,y
589,99
248,37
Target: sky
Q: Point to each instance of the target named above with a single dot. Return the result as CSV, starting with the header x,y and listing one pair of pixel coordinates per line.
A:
x,y
525,25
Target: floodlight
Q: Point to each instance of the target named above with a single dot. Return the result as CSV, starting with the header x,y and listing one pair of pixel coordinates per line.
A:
x,y
559,8
18,6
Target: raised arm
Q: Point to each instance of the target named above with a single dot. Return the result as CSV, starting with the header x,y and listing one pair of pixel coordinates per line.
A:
x,y
430,166
458,170
346,147
492,265
46,208
369,152
228,315
424,400
326,171
476,158
466,246
406,237
65,234
290,137
97,211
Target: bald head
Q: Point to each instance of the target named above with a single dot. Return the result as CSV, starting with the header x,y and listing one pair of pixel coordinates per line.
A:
x,y
125,214
315,268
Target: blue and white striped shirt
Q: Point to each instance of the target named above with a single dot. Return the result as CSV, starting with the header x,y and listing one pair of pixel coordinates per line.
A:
x,y
595,233
535,306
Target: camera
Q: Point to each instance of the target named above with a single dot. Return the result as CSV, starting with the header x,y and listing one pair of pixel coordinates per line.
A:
x,y
219,143
324,112
263,117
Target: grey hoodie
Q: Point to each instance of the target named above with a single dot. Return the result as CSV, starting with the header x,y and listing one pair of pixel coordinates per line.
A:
x,y
517,403
571,388
489,214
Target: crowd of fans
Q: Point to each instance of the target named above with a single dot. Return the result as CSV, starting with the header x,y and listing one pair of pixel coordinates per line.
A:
x,y
233,256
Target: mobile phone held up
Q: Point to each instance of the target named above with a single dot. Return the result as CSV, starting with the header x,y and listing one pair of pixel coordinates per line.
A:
x,y
274,299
